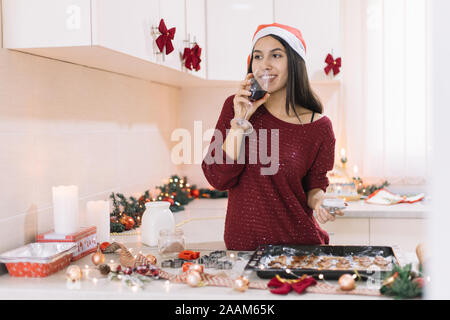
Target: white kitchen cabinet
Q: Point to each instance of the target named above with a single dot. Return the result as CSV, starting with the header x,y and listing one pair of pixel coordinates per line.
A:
x,y
173,12
319,22
46,23
196,31
347,231
125,26
405,234
230,28
113,35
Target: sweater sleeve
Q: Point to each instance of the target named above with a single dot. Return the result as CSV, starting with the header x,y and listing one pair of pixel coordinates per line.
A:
x,y
316,176
219,169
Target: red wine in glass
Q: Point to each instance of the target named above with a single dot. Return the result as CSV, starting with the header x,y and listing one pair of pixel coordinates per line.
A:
x,y
258,92
258,88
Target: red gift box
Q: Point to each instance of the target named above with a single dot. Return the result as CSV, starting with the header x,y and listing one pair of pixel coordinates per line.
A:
x,y
86,240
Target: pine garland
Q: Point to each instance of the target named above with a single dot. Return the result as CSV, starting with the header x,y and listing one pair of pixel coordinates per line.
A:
x,y
178,192
368,190
402,283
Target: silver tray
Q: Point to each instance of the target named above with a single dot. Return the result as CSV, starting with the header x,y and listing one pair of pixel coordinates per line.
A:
x,y
38,252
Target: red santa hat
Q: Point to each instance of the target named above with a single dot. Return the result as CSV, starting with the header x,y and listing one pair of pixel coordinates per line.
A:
x,y
289,34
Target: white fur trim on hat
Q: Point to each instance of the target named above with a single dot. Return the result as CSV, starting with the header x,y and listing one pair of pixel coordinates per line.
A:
x,y
290,38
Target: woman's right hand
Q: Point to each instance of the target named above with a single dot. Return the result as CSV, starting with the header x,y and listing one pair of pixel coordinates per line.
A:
x,y
241,100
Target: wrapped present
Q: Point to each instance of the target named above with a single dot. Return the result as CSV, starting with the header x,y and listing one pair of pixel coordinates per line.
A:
x,y
85,238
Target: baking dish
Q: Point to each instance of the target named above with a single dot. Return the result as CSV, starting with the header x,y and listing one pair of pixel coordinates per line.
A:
x,y
38,259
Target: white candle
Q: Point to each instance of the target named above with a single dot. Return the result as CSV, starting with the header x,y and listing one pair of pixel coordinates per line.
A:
x,y
98,215
355,171
65,209
342,153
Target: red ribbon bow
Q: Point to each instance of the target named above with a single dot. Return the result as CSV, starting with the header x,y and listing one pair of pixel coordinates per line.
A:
x,y
166,37
192,57
283,286
332,64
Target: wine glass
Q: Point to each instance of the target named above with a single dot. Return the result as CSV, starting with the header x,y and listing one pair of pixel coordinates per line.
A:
x,y
258,87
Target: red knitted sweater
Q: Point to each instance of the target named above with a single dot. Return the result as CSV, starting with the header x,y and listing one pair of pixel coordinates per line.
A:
x,y
273,209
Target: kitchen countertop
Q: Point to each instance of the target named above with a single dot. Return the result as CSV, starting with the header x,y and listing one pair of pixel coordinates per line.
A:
x,y
56,287
355,209
205,215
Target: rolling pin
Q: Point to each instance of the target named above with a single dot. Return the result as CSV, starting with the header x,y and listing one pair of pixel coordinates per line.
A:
x,y
420,252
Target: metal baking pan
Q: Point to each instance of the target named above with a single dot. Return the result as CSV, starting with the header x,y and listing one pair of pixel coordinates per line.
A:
x,y
266,252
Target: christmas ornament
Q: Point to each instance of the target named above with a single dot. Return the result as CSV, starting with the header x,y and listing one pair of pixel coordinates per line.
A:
x,y
195,193
129,223
98,257
332,64
74,273
172,202
191,57
194,279
346,282
166,37
240,284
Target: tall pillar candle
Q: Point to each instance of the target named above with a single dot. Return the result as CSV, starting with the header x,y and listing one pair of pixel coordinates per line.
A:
x,y
65,209
98,215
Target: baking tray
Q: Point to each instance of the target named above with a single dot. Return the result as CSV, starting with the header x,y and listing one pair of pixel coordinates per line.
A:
x,y
266,251
38,259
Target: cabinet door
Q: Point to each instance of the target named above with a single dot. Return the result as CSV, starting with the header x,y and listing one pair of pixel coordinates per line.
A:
x,y
230,28
46,23
348,231
404,234
196,30
319,22
173,13
125,26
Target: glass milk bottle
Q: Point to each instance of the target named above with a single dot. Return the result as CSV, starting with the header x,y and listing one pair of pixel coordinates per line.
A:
x,y
157,216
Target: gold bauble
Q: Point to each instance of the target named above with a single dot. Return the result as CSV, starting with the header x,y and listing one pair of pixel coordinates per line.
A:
x,y
98,258
240,284
346,282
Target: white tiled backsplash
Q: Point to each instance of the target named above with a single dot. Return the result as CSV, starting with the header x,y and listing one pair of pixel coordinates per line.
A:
x,y
64,124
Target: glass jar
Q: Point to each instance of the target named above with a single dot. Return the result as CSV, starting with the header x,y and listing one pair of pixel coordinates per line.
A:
x,y
171,242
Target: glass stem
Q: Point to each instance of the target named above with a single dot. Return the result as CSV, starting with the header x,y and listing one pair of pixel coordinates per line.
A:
x,y
246,110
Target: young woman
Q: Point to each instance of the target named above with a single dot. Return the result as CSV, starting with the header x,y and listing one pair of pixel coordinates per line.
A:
x,y
274,208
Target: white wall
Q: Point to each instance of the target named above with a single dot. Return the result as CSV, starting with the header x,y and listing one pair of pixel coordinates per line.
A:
x,y
439,98
63,124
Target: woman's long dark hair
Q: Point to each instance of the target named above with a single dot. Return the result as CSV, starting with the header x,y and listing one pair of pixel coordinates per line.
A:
x,y
298,88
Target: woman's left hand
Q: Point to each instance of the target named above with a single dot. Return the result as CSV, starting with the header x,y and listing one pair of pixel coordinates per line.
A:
x,y
324,216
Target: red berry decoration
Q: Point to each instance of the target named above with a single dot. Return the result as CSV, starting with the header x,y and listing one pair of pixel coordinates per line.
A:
x,y
128,271
155,273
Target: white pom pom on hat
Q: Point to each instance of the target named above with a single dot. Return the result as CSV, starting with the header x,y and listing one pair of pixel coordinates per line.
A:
x,y
289,34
